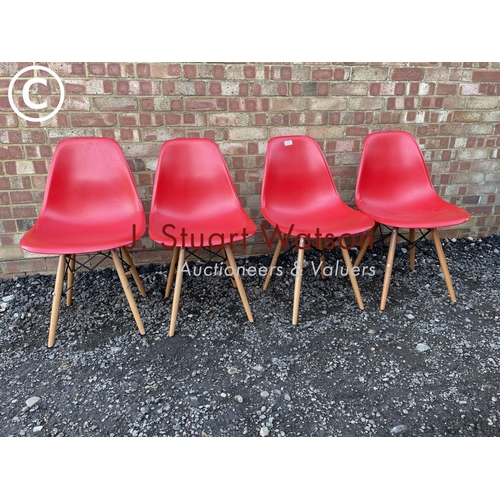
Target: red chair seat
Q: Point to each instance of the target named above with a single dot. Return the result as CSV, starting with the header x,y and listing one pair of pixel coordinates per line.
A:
x,y
337,219
52,236
234,226
431,211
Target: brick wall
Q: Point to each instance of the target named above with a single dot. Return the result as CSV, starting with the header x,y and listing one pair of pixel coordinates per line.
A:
x,y
451,108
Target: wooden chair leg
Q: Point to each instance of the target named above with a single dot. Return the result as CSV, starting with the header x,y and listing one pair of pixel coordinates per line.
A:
x,y
71,279
298,281
127,290
181,254
171,272
56,301
273,263
133,270
322,259
444,265
412,249
365,245
388,267
239,283
226,261
354,281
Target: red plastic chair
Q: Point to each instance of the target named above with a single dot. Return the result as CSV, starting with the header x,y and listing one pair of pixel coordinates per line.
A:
x,y
299,196
395,189
195,205
91,205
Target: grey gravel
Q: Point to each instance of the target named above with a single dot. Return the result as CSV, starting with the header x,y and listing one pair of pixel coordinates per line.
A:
x,y
422,367
422,347
32,401
398,429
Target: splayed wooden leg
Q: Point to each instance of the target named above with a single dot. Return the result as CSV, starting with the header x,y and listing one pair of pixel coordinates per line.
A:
x,y
239,283
177,291
388,267
56,301
298,281
171,272
444,265
128,292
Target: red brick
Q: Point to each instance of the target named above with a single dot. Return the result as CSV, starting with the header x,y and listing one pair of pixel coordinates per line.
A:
x,y
183,88
407,74
5,213
173,119
128,120
339,74
205,104
10,120
21,196
248,104
93,120
115,103
97,69
486,76
218,72
432,102
285,73
114,69
446,89
249,72
356,131
4,198
215,88
77,69
358,88
322,74
143,71
258,89
24,212
189,70
11,153
172,71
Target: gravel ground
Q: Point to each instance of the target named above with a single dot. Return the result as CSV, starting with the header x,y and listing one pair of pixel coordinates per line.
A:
x,y
423,367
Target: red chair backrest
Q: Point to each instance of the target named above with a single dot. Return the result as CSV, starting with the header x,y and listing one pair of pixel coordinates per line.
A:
x,y
392,170
296,176
192,181
89,179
